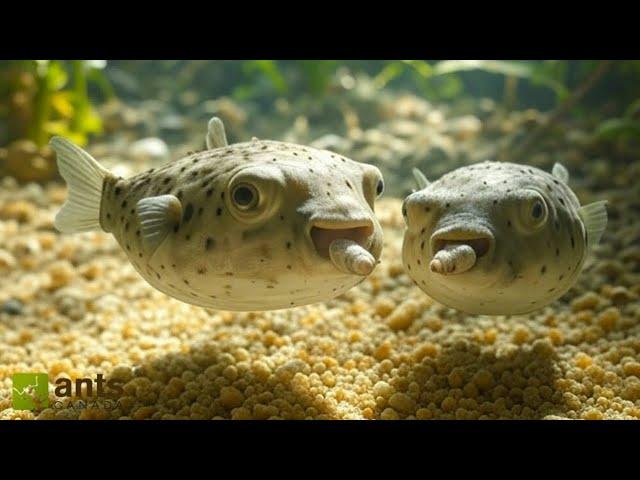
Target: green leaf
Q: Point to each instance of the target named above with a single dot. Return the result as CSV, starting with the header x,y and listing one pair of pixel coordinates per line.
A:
x,y
633,109
56,76
617,127
388,73
269,69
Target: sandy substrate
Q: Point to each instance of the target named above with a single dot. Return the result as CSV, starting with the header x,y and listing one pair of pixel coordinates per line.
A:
x,y
72,306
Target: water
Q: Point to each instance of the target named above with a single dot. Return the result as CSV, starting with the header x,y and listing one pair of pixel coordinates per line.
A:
x,y
74,307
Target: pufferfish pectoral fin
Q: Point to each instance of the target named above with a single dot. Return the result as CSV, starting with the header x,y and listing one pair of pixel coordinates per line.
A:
x,y
157,216
560,172
594,216
216,136
421,180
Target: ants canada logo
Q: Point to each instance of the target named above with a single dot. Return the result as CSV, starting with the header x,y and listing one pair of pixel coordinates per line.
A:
x,y
31,392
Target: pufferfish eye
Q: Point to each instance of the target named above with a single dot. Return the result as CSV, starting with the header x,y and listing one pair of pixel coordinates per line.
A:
x,y
534,213
537,210
379,187
245,196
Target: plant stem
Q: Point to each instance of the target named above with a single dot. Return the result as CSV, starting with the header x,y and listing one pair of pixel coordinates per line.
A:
x,y
602,68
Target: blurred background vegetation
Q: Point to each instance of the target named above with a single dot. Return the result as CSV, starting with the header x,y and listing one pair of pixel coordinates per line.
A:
x,y
40,98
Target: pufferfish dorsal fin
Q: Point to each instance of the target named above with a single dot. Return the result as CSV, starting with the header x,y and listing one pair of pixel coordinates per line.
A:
x,y
216,136
560,172
157,216
594,216
421,180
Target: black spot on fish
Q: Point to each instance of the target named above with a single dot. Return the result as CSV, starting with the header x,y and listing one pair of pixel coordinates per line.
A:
x,y
508,223
543,269
218,211
200,210
447,205
166,180
137,233
201,270
222,196
561,277
109,216
289,267
186,282
282,217
209,192
176,228
288,244
422,245
561,201
495,202
124,204
188,213
179,194
209,243
557,252
188,237
162,267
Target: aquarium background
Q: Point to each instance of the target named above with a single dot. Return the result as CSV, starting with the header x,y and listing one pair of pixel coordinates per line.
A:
x,y
72,306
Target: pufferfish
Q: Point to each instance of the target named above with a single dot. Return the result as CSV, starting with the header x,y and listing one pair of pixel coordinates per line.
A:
x,y
498,238
260,225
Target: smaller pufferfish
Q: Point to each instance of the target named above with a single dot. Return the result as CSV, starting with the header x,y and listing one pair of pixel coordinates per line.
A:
x,y
260,225
497,238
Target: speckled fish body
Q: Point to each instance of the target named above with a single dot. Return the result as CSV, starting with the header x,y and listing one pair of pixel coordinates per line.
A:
x,y
247,226
498,238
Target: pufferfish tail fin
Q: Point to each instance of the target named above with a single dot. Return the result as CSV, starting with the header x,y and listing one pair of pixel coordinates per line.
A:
x,y
84,177
594,216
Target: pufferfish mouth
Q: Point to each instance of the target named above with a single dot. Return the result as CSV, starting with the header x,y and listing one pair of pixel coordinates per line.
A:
x,y
455,251
324,233
480,239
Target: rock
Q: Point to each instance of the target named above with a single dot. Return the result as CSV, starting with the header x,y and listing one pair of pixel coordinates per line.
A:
x,y
464,128
332,142
71,302
12,307
28,163
171,122
7,261
149,149
19,210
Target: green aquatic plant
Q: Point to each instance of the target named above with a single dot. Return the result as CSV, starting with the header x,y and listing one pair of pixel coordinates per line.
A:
x,y
53,99
440,78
